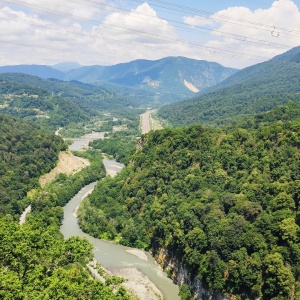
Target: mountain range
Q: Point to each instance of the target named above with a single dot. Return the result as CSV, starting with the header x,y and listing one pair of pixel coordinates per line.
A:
x,y
212,94
179,73
170,78
252,90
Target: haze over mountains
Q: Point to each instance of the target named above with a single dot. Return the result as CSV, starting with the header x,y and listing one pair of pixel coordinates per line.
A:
x,y
41,71
174,77
179,72
223,94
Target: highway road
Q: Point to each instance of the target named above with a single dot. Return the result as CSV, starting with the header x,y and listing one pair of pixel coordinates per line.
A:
x,y
146,121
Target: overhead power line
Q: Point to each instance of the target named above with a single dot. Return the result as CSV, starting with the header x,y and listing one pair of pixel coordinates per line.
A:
x,y
212,50
187,27
221,17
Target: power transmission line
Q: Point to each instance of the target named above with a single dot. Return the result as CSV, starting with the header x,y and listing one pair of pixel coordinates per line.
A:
x,y
217,51
220,17
205,30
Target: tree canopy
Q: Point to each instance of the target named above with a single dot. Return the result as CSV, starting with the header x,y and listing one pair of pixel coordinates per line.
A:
x,y
26,152
224,202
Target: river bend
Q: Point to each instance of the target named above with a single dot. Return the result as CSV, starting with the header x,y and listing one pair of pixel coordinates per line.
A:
x,y
111,256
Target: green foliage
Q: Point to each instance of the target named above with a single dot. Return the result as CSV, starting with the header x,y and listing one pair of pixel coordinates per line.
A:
x,y
279,279
38,105
184,292
57,103
35,260
26,152
37,263
222,202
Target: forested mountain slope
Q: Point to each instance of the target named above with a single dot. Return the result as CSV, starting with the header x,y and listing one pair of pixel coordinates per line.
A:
x,y
225,203
37,263
255,89
50,102
54,86
58,103
262,70
26,152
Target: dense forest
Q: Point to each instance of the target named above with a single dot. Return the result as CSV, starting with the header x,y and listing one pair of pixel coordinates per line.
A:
x,y
35,260
252,90
37,263
224,202
38,105
26,152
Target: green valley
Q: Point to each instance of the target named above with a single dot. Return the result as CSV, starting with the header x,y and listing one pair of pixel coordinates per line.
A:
x,y
57,103
214,197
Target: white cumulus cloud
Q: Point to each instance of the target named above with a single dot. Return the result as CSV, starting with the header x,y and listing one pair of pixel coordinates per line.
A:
x,y
139,33
93,32
260,33
141,23
197,21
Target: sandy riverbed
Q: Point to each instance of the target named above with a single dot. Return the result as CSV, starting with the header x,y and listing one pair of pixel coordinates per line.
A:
x,y
139,284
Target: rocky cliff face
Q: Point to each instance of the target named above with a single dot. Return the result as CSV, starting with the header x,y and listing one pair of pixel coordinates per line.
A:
x,y
180,276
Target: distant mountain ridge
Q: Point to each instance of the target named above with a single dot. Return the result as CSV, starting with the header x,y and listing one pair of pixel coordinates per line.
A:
x,y
171,74
171,78
42,71
252,90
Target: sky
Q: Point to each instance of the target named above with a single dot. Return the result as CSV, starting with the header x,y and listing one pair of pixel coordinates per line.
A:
x,y
233,33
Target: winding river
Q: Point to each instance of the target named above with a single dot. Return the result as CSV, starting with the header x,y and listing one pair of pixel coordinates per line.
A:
x,y
111,256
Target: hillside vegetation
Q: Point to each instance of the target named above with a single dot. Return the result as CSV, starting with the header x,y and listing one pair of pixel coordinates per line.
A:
x,y
256,89
56,103
35,260
26,152
225,203
23,99
37,263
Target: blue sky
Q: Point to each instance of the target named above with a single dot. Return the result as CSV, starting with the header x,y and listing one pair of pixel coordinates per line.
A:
x,y
232,33
216,5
